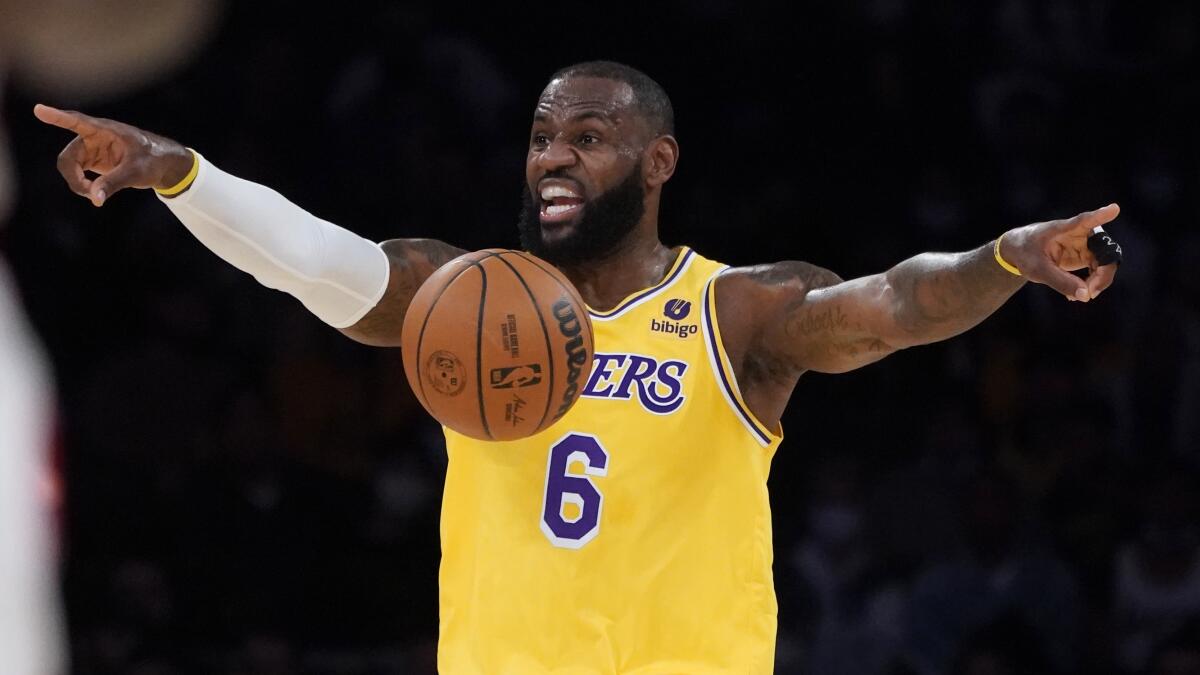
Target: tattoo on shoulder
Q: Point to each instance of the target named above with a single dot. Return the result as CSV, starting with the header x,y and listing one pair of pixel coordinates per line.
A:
x,y
437,253
762,364
791,271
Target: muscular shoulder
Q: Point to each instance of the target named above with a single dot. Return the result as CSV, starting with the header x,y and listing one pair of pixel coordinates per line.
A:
x,y
781,281
748,298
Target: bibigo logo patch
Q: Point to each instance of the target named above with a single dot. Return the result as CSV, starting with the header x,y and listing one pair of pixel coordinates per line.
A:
x,y
676,310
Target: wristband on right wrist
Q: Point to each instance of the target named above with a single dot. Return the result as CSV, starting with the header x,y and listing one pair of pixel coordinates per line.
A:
x,y
1000,259
187,180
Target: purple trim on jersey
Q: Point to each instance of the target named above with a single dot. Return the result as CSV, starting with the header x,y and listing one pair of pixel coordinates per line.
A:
x,y
679,267
716,352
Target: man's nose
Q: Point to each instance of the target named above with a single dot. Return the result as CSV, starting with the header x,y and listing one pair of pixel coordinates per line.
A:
x,y
557,155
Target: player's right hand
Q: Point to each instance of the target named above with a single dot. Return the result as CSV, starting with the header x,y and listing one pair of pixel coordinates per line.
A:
x,y
123,156
1047,252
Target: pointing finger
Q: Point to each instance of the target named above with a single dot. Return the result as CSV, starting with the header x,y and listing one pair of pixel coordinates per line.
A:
x,y
1088,220
66,119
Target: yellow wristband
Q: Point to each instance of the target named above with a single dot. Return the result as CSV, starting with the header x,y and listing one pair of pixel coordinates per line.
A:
x,y
187,180
1000,259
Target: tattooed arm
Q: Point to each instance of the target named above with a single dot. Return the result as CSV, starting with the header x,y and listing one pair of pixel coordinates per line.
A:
x,y
840,326
411,261
790,317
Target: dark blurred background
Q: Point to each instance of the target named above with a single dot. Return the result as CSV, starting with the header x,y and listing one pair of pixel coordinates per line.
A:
x,y
249,492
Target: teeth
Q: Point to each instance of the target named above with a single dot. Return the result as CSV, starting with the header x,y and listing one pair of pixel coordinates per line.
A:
x,y
555,209
552,191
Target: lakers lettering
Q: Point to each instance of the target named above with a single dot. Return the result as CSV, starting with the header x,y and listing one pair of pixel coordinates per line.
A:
x,y
658,385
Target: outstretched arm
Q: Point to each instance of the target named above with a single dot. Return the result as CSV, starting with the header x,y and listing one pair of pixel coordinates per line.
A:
x,y
803,319
356,286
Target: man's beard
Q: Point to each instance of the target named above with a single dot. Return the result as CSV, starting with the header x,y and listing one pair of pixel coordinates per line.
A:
x,y
598,230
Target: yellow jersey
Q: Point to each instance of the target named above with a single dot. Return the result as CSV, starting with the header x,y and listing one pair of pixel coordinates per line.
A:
x,y
634,535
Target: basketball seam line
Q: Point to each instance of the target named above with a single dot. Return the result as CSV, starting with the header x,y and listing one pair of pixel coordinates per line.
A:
x,y
545,334
556,280
479,348
582,309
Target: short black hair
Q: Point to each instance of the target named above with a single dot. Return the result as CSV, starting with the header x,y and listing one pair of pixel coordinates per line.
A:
x,y
649,96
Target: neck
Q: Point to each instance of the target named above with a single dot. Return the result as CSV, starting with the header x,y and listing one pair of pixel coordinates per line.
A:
x,y
640,261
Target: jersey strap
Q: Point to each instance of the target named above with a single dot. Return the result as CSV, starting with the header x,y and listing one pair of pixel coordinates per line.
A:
x,y
723,369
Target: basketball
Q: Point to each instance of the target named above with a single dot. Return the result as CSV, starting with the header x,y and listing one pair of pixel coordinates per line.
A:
x,y
497,344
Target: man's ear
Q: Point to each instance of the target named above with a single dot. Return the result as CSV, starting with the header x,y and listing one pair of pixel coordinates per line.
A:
x,y
661,157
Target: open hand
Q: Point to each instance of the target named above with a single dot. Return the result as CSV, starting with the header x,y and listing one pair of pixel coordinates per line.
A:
x,y
123,156
1048,252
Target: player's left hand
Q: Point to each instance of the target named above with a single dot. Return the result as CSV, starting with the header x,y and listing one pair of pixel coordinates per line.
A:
x,y
1048,252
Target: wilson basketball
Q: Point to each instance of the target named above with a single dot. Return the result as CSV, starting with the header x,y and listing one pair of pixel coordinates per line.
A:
x,y
497,344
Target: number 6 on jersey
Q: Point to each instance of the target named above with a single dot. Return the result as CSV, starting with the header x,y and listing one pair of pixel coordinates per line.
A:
x,y
564,487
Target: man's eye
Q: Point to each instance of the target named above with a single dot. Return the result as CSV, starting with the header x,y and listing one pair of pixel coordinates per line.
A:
x,y
540,139
588,139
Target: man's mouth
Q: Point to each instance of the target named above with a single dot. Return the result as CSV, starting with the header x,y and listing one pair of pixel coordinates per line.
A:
x,y
560,203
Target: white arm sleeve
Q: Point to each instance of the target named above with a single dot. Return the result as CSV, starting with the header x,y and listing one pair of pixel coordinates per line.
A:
x,y
338,275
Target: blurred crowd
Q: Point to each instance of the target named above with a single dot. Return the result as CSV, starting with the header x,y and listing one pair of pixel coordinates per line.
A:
x,y
249,492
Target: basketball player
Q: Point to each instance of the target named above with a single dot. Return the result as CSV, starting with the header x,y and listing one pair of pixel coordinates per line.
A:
x,y
634,535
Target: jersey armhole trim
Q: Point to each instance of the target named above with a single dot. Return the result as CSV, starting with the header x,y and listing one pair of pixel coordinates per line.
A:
x,y
723,369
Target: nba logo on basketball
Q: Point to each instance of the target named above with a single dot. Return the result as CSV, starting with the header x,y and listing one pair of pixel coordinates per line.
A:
x,y
676,310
